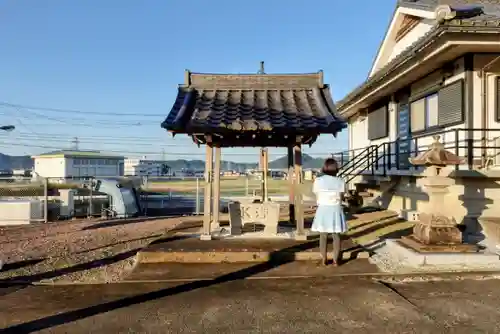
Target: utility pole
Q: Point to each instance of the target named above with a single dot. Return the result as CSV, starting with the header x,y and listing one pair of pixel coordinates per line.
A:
x,y
75,143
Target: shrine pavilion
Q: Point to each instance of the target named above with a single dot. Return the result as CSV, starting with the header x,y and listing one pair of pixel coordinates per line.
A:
x,y
253,110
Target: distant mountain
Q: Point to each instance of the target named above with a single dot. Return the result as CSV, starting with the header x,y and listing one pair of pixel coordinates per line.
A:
x,y
307,162
8,162
280,163
199,165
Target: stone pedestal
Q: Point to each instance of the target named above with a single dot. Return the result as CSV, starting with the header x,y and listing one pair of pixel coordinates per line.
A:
x,y
435,230
267,214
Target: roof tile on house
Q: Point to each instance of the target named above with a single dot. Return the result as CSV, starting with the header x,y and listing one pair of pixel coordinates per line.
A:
x,y
490,13
488,17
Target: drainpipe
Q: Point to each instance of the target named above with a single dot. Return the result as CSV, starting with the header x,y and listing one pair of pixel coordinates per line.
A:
x,y
484,107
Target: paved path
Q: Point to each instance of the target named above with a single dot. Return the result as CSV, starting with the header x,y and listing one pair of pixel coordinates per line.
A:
x,y
333,305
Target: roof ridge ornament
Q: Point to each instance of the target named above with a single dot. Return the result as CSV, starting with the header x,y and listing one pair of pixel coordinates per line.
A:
x,y
261,70
444,13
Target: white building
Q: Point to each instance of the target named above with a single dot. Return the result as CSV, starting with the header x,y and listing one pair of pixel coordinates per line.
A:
x,y
145,167
436,72
68,164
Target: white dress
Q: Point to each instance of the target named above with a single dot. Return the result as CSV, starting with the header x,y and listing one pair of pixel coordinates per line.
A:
x,y
329,217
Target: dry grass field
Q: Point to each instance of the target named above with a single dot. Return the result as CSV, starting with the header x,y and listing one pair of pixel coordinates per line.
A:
x,y
229,185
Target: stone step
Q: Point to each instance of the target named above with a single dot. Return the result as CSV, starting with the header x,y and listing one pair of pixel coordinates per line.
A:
x,y
190,249
161,272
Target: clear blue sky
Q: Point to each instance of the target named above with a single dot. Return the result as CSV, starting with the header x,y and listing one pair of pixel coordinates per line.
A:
x,y
128,56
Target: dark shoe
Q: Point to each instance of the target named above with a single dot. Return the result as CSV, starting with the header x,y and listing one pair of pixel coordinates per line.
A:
x,y
323,262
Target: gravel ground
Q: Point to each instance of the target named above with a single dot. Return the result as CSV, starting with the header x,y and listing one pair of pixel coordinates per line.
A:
x,y
389,262
80,251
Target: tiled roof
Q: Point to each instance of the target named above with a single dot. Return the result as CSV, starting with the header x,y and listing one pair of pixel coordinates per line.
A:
x,y
489,15
221,103
468,20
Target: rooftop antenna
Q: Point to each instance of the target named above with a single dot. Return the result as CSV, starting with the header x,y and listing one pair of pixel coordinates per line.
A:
x,y
261,71
75,143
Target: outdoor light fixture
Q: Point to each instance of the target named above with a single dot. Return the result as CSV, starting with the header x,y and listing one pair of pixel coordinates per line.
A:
x,y
7,127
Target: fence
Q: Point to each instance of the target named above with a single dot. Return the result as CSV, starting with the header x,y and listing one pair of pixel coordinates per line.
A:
x,y
186,194
28,200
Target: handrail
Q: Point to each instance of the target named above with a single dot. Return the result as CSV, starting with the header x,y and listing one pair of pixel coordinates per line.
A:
x,y
385,152
349,161
359,156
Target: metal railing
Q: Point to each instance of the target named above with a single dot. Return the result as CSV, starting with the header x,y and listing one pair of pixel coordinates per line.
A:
x,y
479,147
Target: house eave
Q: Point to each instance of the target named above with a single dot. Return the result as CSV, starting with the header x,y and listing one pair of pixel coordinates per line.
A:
x,y
440,46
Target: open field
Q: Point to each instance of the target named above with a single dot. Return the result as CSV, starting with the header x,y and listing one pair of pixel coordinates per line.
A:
x,y
229,186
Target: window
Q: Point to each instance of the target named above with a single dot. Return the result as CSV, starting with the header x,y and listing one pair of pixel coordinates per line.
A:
x,y
451,104
424,113
497,95
378,123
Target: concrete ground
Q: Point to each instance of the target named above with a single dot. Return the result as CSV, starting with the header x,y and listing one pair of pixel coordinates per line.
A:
x,y
319,305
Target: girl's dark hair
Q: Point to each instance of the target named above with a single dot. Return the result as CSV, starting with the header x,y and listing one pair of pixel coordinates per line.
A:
x,y
330,167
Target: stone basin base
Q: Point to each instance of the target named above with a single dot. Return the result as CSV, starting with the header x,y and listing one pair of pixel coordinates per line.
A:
x,y
436,230
491,230
414,244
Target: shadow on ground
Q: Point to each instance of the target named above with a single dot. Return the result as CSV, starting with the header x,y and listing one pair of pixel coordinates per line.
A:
x,y
276,259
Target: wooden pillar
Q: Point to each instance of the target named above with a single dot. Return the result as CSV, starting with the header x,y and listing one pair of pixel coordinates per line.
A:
x,y
291,198
208,194
299,205
265,170
216,190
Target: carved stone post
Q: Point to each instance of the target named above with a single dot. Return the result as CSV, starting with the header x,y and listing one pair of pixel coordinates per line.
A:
x,y
434,227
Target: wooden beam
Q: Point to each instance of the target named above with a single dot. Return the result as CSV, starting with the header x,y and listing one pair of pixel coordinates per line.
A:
x,y
216,188
409,22
265,170
291,197
299,205
207,214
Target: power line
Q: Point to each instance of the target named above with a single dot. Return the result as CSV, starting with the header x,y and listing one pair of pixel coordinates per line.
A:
x,y
97,140
92,137
58,110
84,122
9,144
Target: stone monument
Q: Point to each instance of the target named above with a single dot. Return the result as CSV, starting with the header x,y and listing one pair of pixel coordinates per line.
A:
x,y
436,241
434,227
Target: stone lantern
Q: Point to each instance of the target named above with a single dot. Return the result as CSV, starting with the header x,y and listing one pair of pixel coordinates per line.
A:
x,y
434,226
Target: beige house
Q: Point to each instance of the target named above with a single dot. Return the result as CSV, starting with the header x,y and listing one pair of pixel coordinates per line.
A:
x,y
436,73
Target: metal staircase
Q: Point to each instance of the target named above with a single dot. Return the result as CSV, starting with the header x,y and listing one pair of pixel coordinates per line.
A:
x,y
366,160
